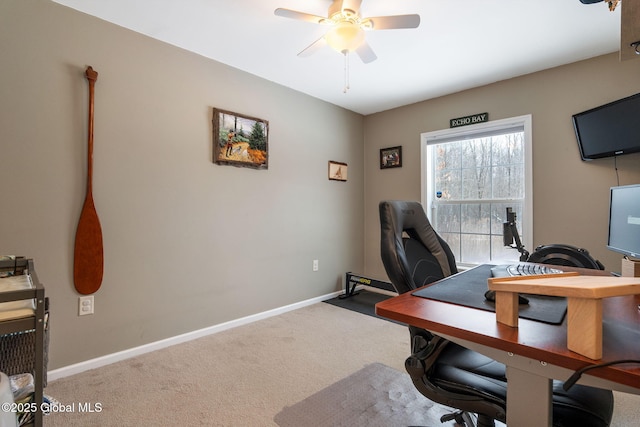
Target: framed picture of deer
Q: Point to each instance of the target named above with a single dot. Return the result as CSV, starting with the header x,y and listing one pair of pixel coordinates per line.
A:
x,y
337,171
240,140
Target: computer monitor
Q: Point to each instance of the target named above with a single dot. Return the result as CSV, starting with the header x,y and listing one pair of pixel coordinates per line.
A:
x,y
624,220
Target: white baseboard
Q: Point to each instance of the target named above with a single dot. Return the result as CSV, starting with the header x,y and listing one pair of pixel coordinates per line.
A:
x,y
157,345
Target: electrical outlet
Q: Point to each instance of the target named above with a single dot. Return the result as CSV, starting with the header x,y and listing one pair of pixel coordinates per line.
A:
x,y
315,265
85,305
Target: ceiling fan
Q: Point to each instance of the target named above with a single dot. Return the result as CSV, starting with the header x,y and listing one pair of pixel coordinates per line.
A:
x,y
347,27
629,26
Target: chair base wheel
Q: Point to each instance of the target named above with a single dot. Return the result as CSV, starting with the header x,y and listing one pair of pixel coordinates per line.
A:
x,y
464,419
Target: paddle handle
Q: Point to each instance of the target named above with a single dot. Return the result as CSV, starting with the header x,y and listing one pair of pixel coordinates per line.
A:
x,y
92,76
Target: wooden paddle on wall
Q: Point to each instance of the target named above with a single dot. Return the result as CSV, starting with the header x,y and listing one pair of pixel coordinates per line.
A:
x,y
88,258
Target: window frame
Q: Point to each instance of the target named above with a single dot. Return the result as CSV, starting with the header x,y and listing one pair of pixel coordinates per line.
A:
x,y
525,224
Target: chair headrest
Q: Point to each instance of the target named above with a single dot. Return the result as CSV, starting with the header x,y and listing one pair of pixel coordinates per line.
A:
x,y
409,217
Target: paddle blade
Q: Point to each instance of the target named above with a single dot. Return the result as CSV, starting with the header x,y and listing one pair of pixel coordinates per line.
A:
x,y
88,261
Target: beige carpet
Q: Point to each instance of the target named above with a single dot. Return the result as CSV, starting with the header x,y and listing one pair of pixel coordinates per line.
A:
x,y
240,377
245,376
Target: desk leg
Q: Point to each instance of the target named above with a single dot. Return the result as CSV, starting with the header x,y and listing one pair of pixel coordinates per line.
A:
x,y
528,399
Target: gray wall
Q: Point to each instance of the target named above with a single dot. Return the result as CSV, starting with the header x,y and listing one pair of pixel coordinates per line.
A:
x,y
188,244
570,197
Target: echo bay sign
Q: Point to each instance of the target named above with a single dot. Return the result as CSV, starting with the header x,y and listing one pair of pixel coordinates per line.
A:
x,y
469,120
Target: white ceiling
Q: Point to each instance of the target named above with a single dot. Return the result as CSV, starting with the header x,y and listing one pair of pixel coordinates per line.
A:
x,y
459,44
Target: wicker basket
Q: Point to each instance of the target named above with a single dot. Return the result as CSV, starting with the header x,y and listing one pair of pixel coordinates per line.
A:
x,y
18,353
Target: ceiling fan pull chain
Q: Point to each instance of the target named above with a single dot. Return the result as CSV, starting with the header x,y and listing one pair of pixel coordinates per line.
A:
x,y
346,70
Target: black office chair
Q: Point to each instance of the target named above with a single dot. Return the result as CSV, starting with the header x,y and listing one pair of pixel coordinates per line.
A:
x,y
414,255
559,254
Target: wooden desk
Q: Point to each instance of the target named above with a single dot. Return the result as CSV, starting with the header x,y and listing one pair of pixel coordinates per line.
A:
x,y
535,352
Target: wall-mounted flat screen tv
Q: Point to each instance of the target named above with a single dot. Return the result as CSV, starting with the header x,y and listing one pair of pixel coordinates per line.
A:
x,y
609,130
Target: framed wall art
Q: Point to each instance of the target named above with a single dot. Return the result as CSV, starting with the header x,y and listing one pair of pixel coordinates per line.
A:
x,y
337,171
240,140
391,157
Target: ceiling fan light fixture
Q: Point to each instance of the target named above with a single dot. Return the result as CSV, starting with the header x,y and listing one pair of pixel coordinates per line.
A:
x,y
345,36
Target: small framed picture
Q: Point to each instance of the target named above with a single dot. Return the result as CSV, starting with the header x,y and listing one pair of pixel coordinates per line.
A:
x,y
337,171
391,157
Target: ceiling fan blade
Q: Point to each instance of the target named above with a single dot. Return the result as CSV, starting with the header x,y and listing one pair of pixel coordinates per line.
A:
x,y
393,22
339,5
301,16
313,47
365,53
629,30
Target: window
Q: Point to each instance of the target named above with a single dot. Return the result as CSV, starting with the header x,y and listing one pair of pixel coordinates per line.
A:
x,y
470,176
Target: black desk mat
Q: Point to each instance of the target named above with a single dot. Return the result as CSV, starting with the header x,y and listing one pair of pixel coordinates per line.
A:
x,y
468,287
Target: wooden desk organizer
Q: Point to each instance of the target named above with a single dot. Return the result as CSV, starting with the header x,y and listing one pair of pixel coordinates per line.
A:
x,y
584,303
630,267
